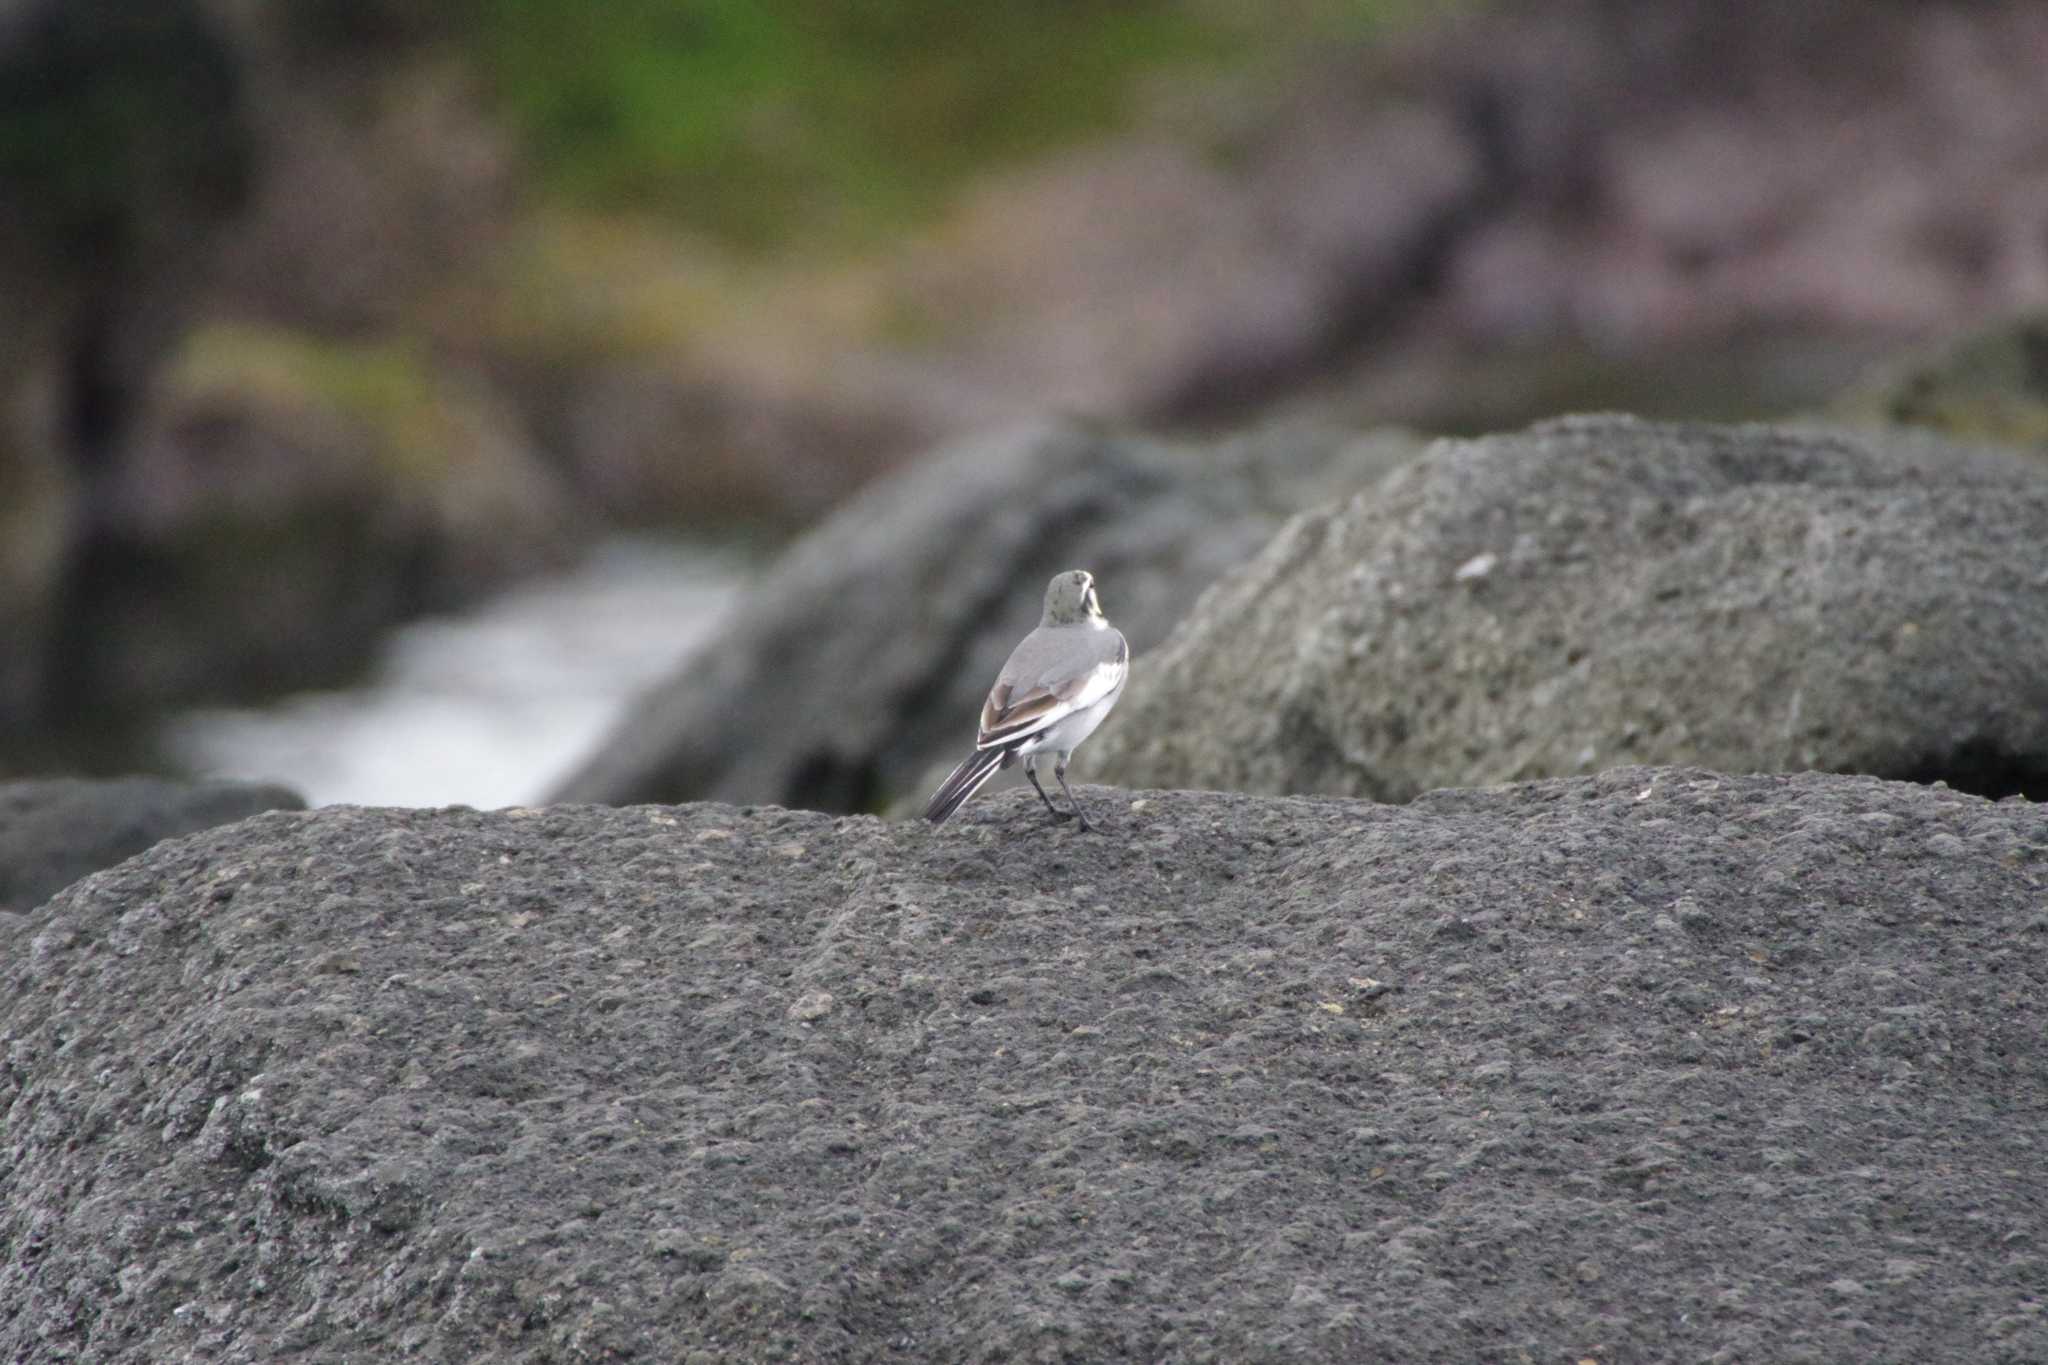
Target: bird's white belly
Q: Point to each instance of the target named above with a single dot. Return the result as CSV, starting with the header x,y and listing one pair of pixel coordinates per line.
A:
x,y
1064,734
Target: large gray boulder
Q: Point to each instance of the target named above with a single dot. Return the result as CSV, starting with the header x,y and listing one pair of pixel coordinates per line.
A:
x,y
55,830
1658,1065
861,660
1602,591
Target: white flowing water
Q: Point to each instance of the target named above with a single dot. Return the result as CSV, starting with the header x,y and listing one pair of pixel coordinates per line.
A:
x,y
487,709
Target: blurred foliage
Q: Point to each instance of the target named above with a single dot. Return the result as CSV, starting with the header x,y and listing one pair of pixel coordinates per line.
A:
x,y
828,120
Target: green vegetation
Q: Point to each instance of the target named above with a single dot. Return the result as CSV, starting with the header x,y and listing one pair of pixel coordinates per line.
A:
x,y
823,121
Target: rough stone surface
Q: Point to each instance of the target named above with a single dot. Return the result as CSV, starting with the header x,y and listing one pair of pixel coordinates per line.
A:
x,y
861,661
1600,591
1659,1065
53,831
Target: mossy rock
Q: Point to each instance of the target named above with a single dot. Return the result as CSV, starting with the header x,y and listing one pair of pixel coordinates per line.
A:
x,y
1992,386
289,498
384,386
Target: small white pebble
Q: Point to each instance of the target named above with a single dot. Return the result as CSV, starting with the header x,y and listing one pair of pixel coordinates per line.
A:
x,y
1478,566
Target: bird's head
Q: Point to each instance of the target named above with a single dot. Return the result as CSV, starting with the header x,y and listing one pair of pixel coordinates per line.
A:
x,y
1070,599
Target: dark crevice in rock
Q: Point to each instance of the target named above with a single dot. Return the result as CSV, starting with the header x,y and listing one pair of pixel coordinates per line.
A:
x,y
1982,767
246,1151
833,781
1374,305
1379,297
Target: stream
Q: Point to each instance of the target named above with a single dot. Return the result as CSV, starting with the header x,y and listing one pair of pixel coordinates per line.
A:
x,y
491,708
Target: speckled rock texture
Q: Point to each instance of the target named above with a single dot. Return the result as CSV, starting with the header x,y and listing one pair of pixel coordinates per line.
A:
x,y
852,675
1656,1065
1599,591
55,830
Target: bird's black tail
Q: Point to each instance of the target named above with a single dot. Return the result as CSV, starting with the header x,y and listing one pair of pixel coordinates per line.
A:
x,y
977,768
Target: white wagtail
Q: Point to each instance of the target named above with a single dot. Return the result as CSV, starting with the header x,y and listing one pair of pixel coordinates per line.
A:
x,y
1055,689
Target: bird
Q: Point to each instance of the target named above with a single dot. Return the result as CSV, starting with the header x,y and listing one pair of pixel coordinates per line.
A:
x,y
1058,684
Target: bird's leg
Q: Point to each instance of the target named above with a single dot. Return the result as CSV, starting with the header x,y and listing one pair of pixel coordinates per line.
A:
x,y
1031,771
1059,770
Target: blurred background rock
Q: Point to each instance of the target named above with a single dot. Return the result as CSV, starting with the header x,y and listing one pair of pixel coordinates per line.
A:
x,y
323,317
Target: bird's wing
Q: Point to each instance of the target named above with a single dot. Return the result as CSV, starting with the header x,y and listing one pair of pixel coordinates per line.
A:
x,y
1051,675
